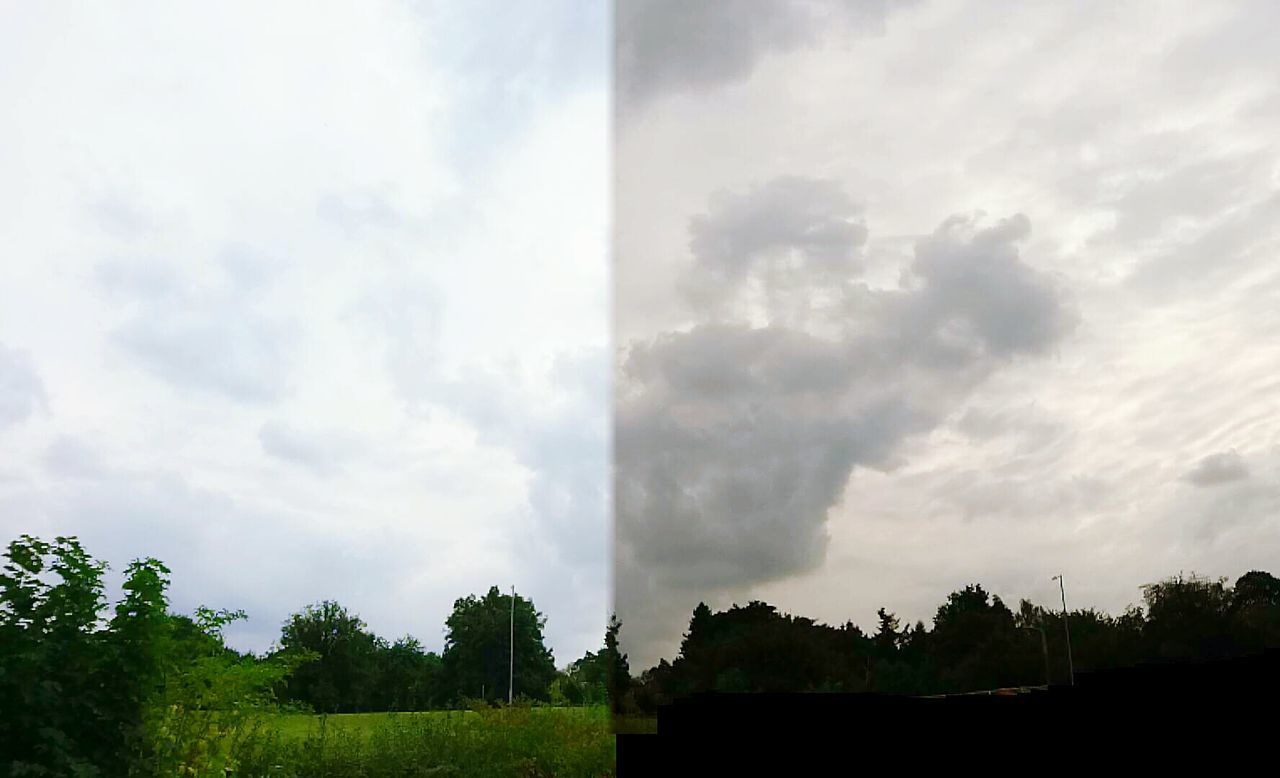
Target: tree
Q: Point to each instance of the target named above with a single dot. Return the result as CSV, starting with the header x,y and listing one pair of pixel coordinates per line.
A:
x,y
1188,618
1255,611
143,693
617,671
478,649
341,676
407,677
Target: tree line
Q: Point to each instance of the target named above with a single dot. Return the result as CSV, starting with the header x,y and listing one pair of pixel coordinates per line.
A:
x,y
975,642
90,690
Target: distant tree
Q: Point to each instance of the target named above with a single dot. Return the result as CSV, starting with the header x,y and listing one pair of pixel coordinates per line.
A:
x,y
975,645
341,676
617,671
1255,611
478,648
1188,618
406,677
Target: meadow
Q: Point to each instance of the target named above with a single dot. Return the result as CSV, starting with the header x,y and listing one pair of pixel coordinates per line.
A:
x,y
510,741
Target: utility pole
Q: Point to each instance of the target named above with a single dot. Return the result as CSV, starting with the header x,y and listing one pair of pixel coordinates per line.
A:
x,y
511,668
1071,669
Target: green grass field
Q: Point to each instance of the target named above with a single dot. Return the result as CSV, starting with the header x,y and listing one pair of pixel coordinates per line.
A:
x,y
501,742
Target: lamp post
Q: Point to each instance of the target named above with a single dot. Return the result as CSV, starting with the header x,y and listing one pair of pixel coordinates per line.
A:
x,y
511,667
1071,669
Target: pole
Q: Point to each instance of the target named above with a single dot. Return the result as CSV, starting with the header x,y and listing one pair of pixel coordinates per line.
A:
x,y
1071,669
511,654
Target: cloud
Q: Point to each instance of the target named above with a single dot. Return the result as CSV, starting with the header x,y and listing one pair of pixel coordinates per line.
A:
x,y
790,233
735,438
321,452
22,393
215,336
67,457
674,46
1216,469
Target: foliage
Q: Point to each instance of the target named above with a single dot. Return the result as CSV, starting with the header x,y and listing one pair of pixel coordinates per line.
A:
x,y
142,693
976,643
478,646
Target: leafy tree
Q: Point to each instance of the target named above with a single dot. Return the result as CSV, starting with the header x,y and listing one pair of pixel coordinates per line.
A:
x,y
617,671
406,676
54,718
341,675
1188,618
143,693
1255,611
478,649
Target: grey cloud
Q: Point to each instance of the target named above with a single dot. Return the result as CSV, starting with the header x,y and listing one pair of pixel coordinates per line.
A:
x,y
791,229
323,452
1220,468
215,337
67,457
22,393
733,440
975,277
674,45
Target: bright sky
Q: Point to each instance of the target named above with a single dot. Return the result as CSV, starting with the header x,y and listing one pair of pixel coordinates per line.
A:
x,y
309,301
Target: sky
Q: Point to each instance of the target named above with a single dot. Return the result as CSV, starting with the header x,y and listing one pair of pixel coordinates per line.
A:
x,y
909,296
310,301
834,304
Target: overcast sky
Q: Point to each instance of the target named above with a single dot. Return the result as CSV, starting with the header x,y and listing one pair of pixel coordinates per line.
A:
x,y
310,301
313,301
916,295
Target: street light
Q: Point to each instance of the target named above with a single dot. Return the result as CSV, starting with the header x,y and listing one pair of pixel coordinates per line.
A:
x,y
1071,669
511,667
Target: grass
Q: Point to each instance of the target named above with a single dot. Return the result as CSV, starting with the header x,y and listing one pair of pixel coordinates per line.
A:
x,y
518,741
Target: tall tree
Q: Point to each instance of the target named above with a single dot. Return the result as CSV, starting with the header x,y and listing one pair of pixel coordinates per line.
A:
x,y
617,671
478,647
340,678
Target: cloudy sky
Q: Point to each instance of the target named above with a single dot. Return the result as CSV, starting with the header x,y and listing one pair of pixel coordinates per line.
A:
x,y
310,301
915,295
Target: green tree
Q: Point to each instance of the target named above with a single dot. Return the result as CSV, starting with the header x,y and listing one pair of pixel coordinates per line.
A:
x,y
478,648
407,676
341,676
617,671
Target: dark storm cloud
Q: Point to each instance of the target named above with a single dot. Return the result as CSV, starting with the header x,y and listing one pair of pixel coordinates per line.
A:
x,y
215,336
675,45
734,440
22,392
1223,467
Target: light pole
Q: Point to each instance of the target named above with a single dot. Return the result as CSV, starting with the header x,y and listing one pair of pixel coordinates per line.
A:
x,y
1071,668
511,667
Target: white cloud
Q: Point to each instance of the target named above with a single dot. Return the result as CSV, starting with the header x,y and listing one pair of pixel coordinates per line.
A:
x,y
247,246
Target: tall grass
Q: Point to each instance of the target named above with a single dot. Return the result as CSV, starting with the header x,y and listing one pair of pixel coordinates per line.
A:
x,y
513,741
